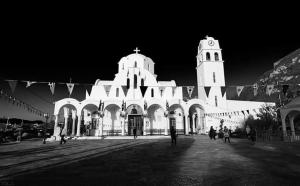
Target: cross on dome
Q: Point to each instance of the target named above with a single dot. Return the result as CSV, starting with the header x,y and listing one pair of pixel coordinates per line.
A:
x,y
136,50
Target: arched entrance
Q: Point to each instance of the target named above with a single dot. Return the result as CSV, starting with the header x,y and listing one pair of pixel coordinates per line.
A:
x,y
112,120
156,121
67,118
89,123
176,118
292,121
196,119
134,119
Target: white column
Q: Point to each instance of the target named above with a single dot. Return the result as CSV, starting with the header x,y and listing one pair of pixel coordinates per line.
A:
x,y
144,126
187,128
101,126
78,125
283,127
73,124
123,126
199,120
166,125
56,129
66,115
292,127
193,123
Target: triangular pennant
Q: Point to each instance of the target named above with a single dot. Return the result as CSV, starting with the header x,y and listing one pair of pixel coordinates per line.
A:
x,y
161,90
285,89
223,90
12,85
86,94
269,89
248,111
29,83
52,87
207,89
143,90
255,89
243,112
190,90
107,89
125,90
239,90
70,87
88,88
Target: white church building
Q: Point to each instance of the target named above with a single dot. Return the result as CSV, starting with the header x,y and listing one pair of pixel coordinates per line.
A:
x,y
137,99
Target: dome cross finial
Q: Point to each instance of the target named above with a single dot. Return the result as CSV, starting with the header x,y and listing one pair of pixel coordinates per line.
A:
x,y
136,50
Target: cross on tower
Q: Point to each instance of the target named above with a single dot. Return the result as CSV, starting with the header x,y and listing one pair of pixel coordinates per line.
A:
x,y
136,50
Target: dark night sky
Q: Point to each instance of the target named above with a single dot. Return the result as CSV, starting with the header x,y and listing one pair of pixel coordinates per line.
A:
x,y
87,45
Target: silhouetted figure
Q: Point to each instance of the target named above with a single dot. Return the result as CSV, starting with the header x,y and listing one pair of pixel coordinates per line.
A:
x,y
226,134
62,134
173,135
19,137
134,133
253,134
212,133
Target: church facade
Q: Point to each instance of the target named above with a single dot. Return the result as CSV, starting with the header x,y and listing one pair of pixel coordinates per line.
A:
x,y
136,99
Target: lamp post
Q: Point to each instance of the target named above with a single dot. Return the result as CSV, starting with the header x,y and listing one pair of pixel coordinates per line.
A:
x,y
46,115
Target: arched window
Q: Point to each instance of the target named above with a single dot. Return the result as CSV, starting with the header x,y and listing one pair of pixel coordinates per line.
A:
x,y
216,101
135,64
142,82
152,92
216,56
128,83
214,77
123,66
207,56
117,92
135,81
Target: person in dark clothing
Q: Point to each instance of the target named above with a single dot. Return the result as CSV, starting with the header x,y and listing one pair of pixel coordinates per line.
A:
x,y
62,135
212,133
134,133
253,134
226,134
173,135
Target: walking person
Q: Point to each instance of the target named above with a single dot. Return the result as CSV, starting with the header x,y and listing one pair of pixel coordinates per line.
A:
x,y
62,134
212,133
134,133
19,137
226,134
173,135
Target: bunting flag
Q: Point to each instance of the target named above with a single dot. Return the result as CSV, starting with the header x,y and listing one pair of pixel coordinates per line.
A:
x,y
207,89
243,112
143,90
190,90
255,89
161,90
52,87
70,87
223,91
285,89
269,89
239,90
125,90
29,83
12,85
107,89
248,111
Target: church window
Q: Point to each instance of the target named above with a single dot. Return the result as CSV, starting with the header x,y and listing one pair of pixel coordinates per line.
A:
x,y
216,101
214,77
135,64
142,82
152,92
128,83
117,92
207,56
216,56
135,81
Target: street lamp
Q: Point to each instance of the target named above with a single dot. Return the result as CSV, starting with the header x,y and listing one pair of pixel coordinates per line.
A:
x,y
46,115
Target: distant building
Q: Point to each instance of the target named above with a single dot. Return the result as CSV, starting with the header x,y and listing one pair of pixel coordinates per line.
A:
x,y
136,99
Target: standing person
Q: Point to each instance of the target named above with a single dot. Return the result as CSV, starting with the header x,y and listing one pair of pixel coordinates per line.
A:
x,y
134,133
19,137
212,133
253,134
62,134
248,132
226,134
173,135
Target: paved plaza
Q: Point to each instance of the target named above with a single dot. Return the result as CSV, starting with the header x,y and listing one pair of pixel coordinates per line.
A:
x,y
195,160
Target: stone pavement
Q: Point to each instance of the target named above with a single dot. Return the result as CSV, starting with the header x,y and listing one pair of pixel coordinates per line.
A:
x,y
195,160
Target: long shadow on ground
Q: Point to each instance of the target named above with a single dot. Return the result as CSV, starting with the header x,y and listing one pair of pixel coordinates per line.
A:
x,y
149,164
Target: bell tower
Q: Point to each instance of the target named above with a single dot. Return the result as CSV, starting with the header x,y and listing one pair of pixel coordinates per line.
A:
x,y
210,73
